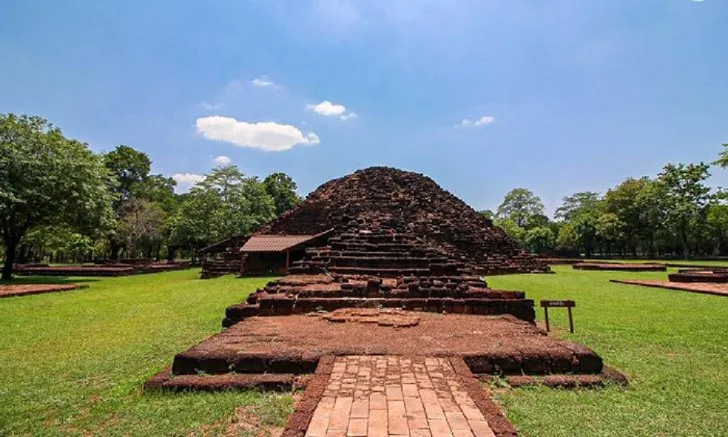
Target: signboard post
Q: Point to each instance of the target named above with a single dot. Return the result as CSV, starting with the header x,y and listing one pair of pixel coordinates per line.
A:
x,y
568,304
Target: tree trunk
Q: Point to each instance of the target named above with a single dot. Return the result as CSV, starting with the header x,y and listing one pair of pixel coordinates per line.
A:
x,y
10,248
115,248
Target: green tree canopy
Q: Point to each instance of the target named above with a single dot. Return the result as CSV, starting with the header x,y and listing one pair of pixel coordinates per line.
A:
x,y
130,167
511,228
282,188
578,203
520,205
723,157
540,239
47,179
686,199
224,204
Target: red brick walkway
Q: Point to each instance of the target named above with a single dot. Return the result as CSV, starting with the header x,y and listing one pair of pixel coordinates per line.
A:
x,y
396,396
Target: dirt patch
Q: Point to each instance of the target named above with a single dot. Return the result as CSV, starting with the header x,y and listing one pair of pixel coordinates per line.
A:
x,y
695,287
245,421
11,290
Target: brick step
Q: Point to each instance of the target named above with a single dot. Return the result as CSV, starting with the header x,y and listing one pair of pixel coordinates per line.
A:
x,y
572,359
244,363
381,262
388,247
373,253
519,308
281,382
384,272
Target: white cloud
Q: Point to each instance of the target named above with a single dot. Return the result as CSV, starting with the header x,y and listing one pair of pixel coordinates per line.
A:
x,y
327,108
185,181
222,160
262,81
211,105
484,120
268,135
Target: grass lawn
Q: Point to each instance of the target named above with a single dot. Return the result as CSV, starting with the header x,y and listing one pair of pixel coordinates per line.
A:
x,y
74,362
672,345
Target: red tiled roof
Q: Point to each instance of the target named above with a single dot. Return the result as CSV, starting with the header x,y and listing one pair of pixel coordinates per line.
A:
x,y
276,243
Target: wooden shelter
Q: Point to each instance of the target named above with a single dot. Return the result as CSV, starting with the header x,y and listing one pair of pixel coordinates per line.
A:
x,y
274,254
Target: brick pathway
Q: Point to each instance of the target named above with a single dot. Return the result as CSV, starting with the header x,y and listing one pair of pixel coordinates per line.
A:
x,y
396,396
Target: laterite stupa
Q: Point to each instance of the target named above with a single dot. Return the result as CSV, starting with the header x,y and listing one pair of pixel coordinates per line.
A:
x,y
379,202
387,236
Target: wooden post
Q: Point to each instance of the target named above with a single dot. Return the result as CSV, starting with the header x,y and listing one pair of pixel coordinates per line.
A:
x,y
288,259
571,321
546,316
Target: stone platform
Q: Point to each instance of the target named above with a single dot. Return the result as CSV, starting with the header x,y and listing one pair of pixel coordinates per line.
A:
x,y
13,290
694,287
294,344
687,276
625,267
460,294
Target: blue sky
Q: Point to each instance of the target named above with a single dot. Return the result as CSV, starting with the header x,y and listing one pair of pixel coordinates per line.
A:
x,y
559,95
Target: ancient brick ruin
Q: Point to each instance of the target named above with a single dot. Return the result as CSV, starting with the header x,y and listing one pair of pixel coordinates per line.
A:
x,y
624,267
418,215
399,273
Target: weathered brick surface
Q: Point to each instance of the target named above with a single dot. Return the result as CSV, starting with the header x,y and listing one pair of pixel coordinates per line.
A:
x,y
393,395
411,208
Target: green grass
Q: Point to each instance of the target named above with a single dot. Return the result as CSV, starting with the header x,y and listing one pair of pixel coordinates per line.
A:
x,y
672,345
73,363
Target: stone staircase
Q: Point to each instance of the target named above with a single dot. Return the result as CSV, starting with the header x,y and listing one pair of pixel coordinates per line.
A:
x,y
382,252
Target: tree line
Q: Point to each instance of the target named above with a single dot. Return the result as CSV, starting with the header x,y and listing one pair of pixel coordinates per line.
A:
x,y
61,202
673,214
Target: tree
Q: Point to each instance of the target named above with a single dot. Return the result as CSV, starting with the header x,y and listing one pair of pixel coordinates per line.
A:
x,y
718,226
585,230
520,205
159,189
723,157
282,188
540,239
608,229
576,204
47,179
512,229
130,167
686,199
567,237
487,213
195,223
224,204
142,224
